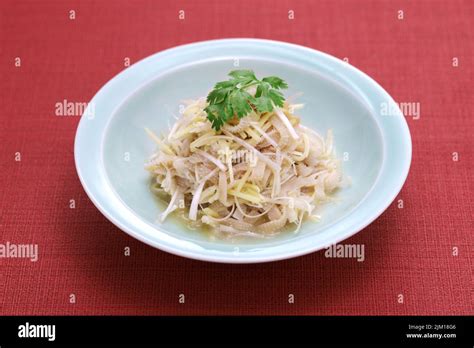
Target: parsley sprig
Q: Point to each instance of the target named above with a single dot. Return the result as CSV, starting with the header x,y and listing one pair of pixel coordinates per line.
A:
x,y
230,98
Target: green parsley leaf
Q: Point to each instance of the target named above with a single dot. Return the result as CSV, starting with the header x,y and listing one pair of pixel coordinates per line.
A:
x,y
263,104
243,74
230,99
275,82
276,97
240,101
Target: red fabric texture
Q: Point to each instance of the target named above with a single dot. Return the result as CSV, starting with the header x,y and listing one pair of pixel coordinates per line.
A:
x,y
408,251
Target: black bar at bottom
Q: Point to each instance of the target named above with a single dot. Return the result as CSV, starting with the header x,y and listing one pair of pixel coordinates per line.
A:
x,y
427,330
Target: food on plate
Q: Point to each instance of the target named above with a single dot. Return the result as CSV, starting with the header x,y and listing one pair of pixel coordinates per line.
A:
x,y
240,163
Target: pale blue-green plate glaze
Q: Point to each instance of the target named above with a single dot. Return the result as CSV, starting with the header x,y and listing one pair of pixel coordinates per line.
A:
x,y
111,145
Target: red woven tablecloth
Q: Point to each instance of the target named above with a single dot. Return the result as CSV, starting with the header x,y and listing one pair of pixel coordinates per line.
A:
x,y
423,251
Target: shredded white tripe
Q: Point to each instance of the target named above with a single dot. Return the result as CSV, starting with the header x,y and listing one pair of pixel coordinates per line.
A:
x,y
251,178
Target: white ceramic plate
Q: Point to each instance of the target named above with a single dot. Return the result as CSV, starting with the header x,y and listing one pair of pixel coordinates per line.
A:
x,y
111,146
